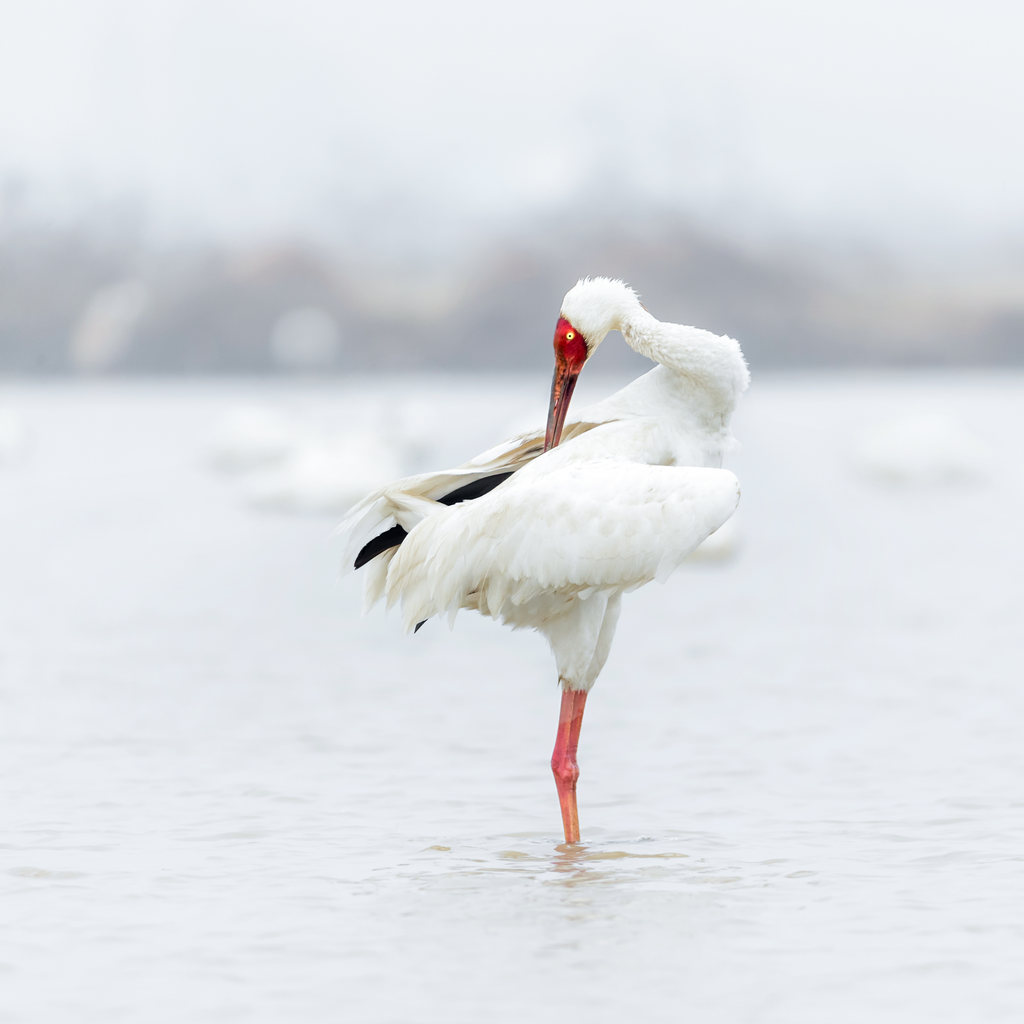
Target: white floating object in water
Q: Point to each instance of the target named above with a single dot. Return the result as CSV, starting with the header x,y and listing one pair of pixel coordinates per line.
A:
x,y
106,329
13,436
325,477
251,437
923,449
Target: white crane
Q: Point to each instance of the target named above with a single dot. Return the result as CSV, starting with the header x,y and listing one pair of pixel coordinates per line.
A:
x,y
550,535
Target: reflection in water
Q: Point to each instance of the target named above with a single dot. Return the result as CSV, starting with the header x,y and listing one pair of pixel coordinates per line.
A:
x,y
577,864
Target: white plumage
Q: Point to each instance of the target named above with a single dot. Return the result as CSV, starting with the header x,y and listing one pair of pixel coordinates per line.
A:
x,y
554,533
550,535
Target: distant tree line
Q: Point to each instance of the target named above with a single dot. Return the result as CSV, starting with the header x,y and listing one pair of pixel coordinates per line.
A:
x,y
80,299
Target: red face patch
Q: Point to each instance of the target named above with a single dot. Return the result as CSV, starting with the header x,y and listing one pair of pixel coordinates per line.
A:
x,y
570,346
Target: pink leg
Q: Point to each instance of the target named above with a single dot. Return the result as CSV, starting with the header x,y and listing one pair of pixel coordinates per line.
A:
x,y
563,760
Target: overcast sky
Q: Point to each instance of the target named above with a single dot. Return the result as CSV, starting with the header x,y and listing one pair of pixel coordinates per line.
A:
x,y
873,117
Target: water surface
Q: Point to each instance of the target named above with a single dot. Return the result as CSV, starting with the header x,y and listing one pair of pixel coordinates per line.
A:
x,y
227,796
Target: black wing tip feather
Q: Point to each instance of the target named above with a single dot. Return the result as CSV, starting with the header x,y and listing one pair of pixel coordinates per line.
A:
x,y
393,537
388,539
475,488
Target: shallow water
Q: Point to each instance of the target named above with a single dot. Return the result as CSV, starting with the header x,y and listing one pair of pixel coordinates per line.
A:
x,y
226,796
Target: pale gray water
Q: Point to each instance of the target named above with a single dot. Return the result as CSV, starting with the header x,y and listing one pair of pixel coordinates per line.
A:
x,y
225,796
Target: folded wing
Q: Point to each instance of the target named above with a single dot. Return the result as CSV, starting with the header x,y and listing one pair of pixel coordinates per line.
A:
x,y
382,520
553,535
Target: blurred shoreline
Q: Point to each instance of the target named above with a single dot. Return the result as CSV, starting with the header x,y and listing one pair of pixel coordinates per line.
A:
x,y
597,379
92,298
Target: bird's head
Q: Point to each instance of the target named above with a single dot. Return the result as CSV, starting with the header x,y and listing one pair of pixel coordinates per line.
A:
x,y
590,309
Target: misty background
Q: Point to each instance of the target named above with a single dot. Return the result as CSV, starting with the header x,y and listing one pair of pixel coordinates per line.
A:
x,y
245,248
259,187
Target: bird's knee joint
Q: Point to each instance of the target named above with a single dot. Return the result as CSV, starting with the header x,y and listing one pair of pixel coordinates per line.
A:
x,y
566,772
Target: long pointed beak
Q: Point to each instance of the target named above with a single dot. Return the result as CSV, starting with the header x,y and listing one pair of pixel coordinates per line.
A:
x,y
562,386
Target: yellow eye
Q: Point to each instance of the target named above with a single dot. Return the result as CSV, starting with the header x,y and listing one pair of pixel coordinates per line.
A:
x,y
569,335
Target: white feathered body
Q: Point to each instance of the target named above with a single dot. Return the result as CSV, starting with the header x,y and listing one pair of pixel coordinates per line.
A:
x,y
631,490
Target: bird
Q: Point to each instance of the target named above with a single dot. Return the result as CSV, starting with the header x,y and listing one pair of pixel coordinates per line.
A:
x,y
550,528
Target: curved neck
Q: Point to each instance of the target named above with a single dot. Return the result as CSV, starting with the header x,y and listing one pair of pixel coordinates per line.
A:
x,y
713,361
